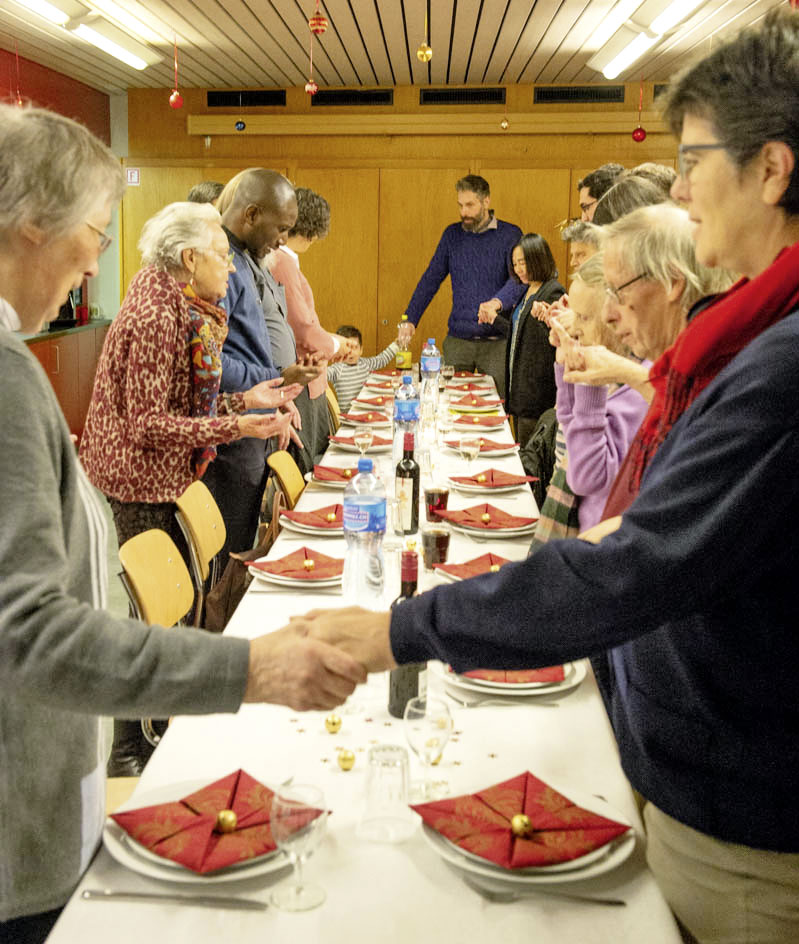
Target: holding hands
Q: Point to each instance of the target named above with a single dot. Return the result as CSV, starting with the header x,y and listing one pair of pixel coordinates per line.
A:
x,y
488,311
304,371
362,634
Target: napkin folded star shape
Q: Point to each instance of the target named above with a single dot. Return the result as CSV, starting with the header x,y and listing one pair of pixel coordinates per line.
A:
x,y
460,374
493,478
185,830
480,823
381,384
475,517
332,473
294,565
371,417
486,445
389,372
467,387
553,673
349,441
473,568
479,421
475,401
375,401
319,517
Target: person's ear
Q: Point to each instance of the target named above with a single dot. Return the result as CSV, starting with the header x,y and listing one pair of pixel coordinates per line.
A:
x,y
676,289
32,233
189,259
777,162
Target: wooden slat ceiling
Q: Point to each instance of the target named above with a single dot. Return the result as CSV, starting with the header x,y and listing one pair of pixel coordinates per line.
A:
x,y
265,43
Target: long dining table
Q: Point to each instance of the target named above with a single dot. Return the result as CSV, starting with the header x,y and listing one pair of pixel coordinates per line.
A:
x,y
390,892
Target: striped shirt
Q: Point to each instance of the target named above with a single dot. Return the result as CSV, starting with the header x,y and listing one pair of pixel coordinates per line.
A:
x,y
347,379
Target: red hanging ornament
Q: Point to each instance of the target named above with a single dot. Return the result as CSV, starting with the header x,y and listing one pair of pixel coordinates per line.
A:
x,y
176,99
311,87
639,134
318,22
19,101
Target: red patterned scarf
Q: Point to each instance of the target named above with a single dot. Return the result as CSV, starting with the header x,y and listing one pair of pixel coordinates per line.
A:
x,y
206,337
709,342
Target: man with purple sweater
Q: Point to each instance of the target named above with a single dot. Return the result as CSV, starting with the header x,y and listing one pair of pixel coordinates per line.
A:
x,y
475,253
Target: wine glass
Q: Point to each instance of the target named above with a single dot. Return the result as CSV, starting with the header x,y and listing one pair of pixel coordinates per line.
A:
x,y
297,821
363,437
428,725
469,447
448,372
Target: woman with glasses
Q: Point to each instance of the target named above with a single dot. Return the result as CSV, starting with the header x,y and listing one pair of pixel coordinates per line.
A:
x,y
156,415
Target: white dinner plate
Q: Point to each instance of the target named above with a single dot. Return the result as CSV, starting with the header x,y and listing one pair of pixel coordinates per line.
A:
x,y
489,408
346,447
480,687
137,858
495,532
464,423
511,687
485,489
300,528
509,451
376,424
597,862
282,581
325,483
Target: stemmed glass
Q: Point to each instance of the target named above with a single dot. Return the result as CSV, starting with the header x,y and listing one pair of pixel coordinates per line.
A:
x,y
297,821
447,372
428,725
469,447
363,437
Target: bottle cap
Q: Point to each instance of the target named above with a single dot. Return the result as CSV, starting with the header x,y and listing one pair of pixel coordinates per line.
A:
x,y
431,341
406,378
364,465
408,442
409,566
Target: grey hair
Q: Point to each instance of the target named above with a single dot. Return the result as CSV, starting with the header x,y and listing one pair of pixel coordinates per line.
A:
x,y
177,227
578,231
592,274
591,271
659,240
53,171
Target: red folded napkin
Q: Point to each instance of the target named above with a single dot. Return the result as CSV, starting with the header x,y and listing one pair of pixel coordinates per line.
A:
x,y
370,417
493,478
467,373
480,823
387,385
475,401
478,421
349,441
497,518
486,445
383,401
473,568
185,830
318,518
332,473
294,565
467,387
554,673
390,372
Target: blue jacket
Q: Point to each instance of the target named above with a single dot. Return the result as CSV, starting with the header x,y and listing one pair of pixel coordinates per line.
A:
x,y
696,592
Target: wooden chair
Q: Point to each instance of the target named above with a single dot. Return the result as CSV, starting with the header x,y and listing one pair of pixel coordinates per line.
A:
x,y
158,585
288,476
333,411
201,523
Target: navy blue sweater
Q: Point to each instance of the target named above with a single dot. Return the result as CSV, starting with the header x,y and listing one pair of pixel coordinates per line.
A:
x,y
695,591
477,264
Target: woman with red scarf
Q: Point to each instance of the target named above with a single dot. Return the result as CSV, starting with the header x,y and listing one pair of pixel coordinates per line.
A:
x,y
694,593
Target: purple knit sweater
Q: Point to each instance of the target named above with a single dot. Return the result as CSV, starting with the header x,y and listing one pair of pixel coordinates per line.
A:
x,y
477,264
599,429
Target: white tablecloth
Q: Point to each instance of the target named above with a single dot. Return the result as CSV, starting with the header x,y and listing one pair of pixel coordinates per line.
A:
x,y
400,893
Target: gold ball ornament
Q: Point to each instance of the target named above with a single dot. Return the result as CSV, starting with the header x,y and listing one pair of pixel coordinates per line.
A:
x,y
476,419
482,443
348,473
226,821
309,563
485,517
493,568
333,723
424,53
379,399
346,760
331,516
520,825
481,478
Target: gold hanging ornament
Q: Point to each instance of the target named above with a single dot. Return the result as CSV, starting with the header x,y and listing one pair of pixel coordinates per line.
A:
x,y
424,53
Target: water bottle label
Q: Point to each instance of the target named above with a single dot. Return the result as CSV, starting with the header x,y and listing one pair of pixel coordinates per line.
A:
x,y
431,365
406,411
365,517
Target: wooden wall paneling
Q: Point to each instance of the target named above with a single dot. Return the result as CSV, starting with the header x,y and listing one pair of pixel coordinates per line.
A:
x,y
342,268
535,200
416,204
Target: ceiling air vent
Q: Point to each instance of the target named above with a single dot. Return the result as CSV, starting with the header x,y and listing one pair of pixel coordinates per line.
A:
x,y
246,98
328,98
577,94
468,96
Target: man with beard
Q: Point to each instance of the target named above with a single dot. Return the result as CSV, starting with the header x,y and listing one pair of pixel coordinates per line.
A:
x,y
475,253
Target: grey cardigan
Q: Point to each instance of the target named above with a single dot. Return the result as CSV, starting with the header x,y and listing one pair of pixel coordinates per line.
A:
x,y
64,662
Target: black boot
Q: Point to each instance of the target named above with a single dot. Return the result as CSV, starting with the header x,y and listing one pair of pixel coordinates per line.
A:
x,y
130,751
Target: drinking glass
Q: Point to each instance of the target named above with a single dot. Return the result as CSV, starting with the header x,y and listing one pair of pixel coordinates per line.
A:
x,y
435,544
448,372
435,500
363,437
297,821
386,817
428,725
469,447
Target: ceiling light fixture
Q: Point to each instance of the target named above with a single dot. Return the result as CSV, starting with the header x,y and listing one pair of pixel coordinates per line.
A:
x,y
46,10
114,41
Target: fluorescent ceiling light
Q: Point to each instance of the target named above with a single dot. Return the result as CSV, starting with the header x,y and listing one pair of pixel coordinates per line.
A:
x,y
629,54
45,9
672,15
108,45
114,12
622,12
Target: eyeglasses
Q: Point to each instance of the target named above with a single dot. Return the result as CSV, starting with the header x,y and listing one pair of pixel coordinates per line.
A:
x,y
686,164
105,239
226,257
613,293
585,207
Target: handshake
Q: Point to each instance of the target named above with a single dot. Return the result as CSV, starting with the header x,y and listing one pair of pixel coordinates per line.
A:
x,y
315,662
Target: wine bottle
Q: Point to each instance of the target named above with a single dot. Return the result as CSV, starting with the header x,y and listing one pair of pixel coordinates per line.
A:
x,y
407,681
407,488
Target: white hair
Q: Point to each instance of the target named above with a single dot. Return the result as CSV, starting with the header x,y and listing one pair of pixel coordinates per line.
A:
x,y
53,171
177,227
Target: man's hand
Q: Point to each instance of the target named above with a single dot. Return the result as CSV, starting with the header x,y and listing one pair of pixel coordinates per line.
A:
x,y
264,425
566,347
303,372
360,633
289,668
267,396
405,331
488,311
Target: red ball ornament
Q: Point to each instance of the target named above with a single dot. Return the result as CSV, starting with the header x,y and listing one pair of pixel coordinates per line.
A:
x,y
311,87
175,99
639,135
318,24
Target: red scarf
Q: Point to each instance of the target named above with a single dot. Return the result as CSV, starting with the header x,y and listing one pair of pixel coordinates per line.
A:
x,y
709,342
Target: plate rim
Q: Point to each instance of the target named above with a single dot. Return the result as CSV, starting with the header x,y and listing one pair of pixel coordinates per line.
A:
x,y
554,688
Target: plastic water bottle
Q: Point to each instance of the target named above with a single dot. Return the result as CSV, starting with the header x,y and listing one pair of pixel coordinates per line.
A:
x,y
364,529
406,415
430,366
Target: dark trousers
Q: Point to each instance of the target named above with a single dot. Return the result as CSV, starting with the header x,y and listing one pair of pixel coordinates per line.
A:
x,y
30,929
487,356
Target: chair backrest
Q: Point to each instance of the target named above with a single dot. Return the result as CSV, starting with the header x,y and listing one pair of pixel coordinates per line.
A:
x,y
201,522
156,578
288,475
333,411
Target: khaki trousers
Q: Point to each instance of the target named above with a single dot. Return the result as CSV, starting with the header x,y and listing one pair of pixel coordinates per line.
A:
x,y
721,892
